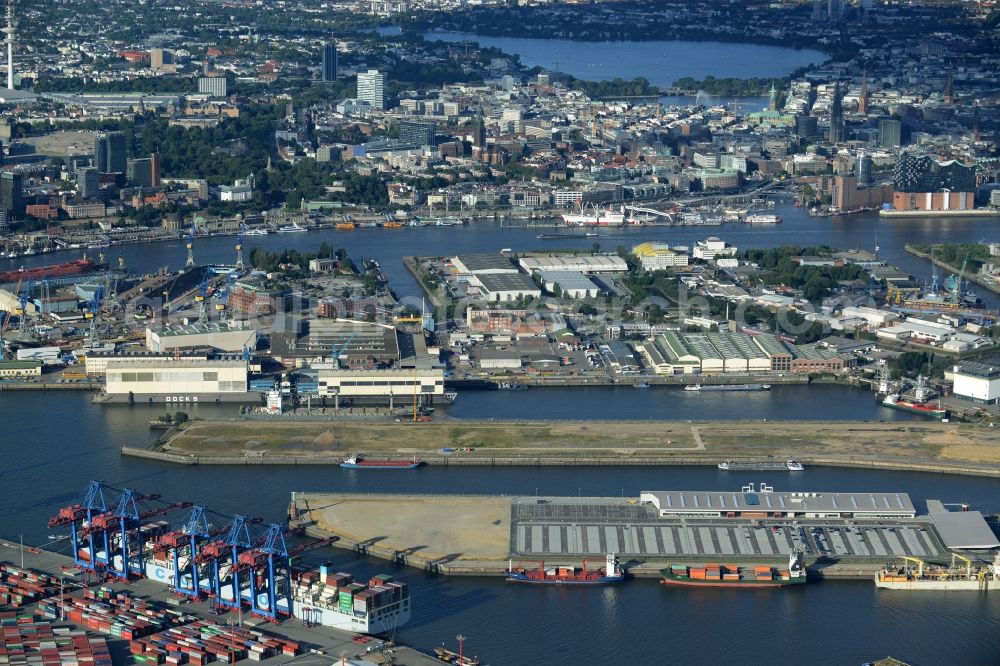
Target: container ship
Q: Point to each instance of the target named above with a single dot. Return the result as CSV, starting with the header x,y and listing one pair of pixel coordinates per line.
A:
x,y
732,575
611,573
357,462
322,596
728,387
927,578
65,269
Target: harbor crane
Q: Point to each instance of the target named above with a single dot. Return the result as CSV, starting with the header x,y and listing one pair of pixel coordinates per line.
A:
x,y
190,244
240,266
222,556
202,295
23,296
90,313
183,544
91,503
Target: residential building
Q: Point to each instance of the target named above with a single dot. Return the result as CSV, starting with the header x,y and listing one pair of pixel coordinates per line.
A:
x,y
110,154
88,182
890,133
144,171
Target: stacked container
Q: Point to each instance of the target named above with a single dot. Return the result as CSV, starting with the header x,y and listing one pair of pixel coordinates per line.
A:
x,y
202,642
20,587
25,640
115,613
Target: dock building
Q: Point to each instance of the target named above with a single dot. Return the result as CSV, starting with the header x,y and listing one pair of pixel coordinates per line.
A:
x,y
673,353
219,335
752,503
222,379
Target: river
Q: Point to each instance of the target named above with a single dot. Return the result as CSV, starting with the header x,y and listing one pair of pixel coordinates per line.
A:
x,y
660,62
57,443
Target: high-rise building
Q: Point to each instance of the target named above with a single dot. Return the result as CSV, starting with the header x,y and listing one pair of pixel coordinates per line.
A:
x,y
212,85
160,57
329,61
371,88
863,97
12,194
145,171
110,155
416,134
836,116
88,182
806,126
772,102
864,169
834,10
890,133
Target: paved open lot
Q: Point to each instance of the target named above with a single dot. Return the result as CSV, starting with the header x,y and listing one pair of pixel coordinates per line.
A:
x,y
542,528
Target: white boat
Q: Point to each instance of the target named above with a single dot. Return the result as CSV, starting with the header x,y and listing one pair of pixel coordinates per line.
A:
x,y
416,223
763,218
291,229
256,232
794,465
596,217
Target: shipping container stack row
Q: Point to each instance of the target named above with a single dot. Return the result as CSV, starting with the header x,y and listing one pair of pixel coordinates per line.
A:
x,y
203,642
21,587
327,589
115,613
28,641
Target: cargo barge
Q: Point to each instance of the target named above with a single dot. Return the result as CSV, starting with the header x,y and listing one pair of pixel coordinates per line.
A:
x,y
611,573
732,575
64,269
939,579
358,462
728,387
791,465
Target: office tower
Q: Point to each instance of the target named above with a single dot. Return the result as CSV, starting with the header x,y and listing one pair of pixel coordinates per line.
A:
x,y
12,194
9,31
371,88
864,169
479,138
212,85
806,126
110,155
160,57
145,171
416,134
88,182
890,133
329,61
863,98
836,116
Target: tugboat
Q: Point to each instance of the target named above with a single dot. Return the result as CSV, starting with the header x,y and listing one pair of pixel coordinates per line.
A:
x,y
611,573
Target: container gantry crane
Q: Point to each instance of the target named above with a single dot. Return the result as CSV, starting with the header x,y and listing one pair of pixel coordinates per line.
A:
x,y
23,296
183,545
121,535
223,555
190,244
79,514
268,565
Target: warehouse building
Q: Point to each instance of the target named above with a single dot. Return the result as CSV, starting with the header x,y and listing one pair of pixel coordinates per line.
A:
x,y
357,344
571,284
601,263
96,363
769,504
500,287
177,380
223,336
20,369
483,264
978,382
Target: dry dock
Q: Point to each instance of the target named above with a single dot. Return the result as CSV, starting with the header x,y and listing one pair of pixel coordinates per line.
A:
x,y
479,534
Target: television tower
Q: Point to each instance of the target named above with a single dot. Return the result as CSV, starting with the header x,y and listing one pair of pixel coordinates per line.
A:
x,y
9,30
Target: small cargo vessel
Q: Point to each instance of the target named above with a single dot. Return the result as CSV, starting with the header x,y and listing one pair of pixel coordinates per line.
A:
x,y
452,657
728,387
791,465
733,575
610,573
895,401
923,577
359,462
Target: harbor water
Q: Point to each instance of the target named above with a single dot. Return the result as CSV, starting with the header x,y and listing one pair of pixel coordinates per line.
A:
x,y
58,443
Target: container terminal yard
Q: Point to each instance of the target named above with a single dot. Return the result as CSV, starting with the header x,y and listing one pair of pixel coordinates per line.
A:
x,y
840,534
156,576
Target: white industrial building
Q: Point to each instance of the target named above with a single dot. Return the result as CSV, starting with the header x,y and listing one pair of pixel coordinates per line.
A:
x,y
220,335
873,316
978,382
380,384
483,264
499,287
601,263
45,355
914,330
572,284
498,359
177,380
712,247
752,503
658,256
96,363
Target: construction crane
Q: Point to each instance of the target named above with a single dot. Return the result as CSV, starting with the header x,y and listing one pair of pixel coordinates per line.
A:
x,y
269,565
190,244
335,353
240,266
90,313
956,293
919,563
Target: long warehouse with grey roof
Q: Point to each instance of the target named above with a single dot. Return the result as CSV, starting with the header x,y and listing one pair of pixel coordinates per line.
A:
x,y
767,503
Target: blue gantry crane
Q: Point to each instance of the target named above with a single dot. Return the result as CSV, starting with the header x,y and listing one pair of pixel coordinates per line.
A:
x,y
23,296
222,556
90,504
182,544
